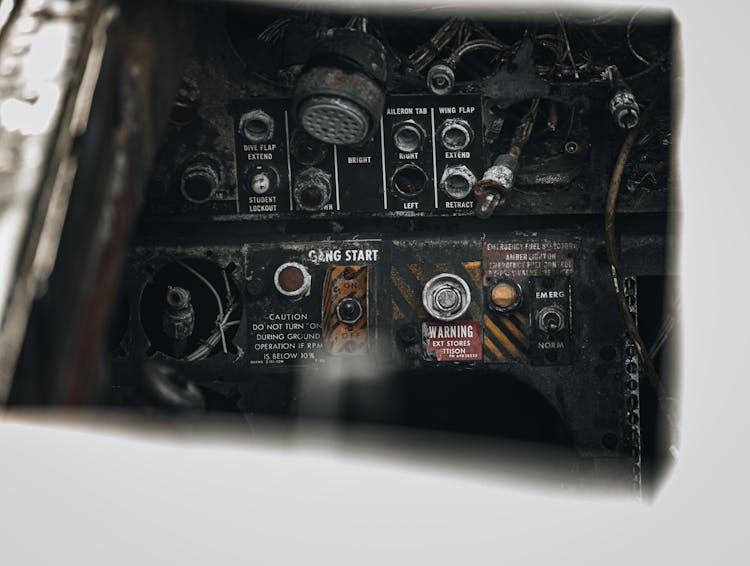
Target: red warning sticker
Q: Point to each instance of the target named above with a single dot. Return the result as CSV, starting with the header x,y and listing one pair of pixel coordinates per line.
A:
x,y
452,341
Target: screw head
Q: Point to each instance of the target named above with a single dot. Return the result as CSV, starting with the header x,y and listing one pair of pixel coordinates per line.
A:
x,y
409,334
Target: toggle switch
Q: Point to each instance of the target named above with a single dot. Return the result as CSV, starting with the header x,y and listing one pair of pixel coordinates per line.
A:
x,y
349,310
550,319
344,316
550,315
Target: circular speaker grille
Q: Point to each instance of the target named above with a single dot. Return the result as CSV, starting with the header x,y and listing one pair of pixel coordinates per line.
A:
x,y
334,120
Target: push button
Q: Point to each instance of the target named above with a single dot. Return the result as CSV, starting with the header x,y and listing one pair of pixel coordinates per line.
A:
x,y
292,280
505,296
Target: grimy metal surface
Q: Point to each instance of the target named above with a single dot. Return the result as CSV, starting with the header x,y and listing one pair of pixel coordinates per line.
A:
x,y
95,161
354,281
279,338
50,62
367,259
562,173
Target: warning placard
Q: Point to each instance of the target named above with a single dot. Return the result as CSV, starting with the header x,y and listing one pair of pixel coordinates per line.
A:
x,y
452,341
532,256
285,338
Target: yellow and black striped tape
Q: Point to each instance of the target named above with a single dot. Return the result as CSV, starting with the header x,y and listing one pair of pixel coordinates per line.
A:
x,y
505,336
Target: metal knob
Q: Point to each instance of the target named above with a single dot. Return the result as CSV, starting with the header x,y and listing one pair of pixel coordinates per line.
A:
x,y
446,296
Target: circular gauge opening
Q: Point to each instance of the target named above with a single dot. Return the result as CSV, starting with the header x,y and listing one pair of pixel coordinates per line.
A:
x,y
312,198
457,186
457,181
455,135
199,182
407,137
409,181
256,126
312,189
306,149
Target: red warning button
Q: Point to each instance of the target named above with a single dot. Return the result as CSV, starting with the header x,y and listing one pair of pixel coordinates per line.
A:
x,y
452,341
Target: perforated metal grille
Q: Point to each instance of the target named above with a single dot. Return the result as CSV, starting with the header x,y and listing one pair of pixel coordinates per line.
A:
x,y
334,120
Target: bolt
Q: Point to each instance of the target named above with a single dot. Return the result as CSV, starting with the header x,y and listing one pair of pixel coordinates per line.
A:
x,y
409,334
440,78
177,298
446,298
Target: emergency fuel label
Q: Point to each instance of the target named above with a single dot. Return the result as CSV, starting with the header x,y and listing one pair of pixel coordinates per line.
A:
x,y
532,256
452,341
285,338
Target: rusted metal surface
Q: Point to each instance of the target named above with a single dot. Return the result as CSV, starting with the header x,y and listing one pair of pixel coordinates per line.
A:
x,y
49,60
345,315
116,128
